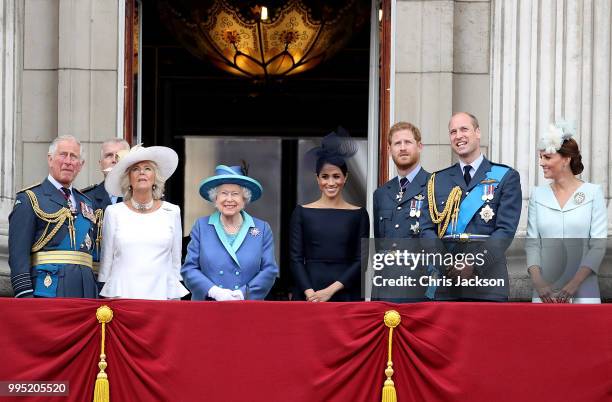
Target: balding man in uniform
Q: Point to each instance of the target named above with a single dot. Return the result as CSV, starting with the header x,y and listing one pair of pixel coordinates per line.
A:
x,y
51,231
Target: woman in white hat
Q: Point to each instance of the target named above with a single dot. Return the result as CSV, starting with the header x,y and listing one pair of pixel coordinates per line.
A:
x,y
231,254
141,237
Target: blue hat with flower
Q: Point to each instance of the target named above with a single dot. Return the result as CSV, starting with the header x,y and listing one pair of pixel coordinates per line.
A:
x,y
230,175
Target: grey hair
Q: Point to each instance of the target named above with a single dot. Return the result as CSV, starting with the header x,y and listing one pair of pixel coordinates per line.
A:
x,y
126,188
114,140
246,194
66,137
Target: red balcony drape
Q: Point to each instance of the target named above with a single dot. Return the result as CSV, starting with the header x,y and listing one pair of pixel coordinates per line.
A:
x,y
293,351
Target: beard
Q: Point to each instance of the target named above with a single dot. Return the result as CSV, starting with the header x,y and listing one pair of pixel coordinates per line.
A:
x,y
405,163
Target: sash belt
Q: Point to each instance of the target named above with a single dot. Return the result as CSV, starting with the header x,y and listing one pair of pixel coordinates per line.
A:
x,y
62,257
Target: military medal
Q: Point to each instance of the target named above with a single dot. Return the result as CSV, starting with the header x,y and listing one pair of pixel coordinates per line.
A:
x,y
486,214
402,189
487,192
413,208
415,228
419,204
48,281
71,207
579,197
88,241
88,212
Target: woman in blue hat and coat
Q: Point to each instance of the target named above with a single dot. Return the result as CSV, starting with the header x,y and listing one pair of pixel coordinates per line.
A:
x,y
231,254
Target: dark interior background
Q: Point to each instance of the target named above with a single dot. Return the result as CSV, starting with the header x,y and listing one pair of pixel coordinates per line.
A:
x,y
186,96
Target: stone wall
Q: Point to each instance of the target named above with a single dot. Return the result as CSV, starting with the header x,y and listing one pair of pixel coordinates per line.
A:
x,y
59,76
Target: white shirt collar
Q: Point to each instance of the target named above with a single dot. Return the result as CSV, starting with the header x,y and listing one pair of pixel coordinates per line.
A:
x,y
410,176
475,165
57,184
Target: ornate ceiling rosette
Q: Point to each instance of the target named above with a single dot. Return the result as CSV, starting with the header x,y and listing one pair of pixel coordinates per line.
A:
x,y
237,37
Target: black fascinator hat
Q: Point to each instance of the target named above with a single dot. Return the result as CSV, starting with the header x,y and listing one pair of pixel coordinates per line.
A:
x,y
335,148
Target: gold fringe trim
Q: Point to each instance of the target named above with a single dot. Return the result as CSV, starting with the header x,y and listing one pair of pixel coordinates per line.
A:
x,y
392,319
104,314
58,218
450,213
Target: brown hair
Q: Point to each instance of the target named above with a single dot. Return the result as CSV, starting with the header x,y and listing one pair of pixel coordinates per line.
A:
x,y
404,125
471,116
569,149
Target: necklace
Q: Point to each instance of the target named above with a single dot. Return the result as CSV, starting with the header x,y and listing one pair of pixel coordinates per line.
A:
x,y
142,207
231,229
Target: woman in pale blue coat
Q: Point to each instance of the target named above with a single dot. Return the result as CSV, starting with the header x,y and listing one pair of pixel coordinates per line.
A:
x,y
231,254
567,225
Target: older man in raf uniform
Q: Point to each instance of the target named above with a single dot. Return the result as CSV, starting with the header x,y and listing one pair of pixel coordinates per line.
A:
x,y
98,194
474,206
397,207
50,231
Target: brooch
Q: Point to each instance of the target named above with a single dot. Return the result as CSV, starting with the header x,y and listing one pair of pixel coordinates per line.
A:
x,y
579,197
486,214
254,232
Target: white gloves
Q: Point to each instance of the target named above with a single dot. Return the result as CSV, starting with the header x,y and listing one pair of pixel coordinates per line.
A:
x,y
220,294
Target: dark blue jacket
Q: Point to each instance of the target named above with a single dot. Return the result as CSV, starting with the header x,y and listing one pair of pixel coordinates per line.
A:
x,y
506,206
25,228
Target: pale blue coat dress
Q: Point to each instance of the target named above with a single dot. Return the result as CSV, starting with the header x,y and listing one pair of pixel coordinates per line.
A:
x,y
561,240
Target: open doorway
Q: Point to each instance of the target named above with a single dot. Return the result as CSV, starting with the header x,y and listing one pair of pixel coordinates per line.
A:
x,y
209,117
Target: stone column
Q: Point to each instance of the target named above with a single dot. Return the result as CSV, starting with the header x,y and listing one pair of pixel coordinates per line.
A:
x,y
551,59
442,62
9,55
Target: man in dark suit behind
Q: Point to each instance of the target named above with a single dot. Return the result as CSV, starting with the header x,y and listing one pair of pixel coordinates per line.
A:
x,y
397,207
474,207
97,193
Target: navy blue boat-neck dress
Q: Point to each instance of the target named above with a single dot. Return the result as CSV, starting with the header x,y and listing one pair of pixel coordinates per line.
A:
x,y
325,247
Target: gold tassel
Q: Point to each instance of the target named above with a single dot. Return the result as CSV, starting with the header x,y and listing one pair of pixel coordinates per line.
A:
x,y
104,314
392,320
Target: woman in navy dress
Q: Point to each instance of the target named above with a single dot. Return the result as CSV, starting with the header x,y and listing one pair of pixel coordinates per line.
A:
x,y
325,236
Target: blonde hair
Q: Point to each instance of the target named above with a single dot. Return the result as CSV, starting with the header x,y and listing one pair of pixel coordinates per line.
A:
x,y
158,186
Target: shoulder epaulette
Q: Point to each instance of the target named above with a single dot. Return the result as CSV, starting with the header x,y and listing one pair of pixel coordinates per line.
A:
x,y
84,195
30,187
88,188
501,164
445,169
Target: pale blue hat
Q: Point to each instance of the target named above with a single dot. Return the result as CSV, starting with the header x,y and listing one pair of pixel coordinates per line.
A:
x,y
230,175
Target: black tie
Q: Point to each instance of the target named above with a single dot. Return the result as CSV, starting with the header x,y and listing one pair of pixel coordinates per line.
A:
x,y
466,174
119,199
66,192
403,182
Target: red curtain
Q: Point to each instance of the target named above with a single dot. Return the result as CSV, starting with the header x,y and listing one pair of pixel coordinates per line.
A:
x,y
294,351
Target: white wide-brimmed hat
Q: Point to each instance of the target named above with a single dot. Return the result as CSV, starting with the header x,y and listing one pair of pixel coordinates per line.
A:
x,y
165,158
